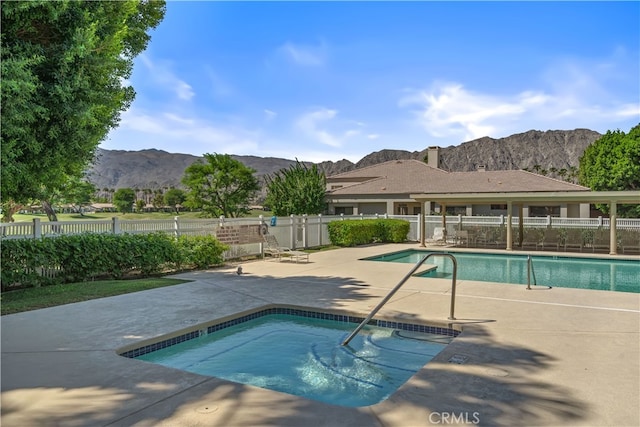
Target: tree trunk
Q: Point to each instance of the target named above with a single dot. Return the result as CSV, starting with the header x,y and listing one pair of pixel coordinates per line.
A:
x,y
9,209
48,209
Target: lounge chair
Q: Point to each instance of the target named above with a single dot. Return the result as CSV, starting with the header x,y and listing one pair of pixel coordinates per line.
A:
x,y
273,248
438,236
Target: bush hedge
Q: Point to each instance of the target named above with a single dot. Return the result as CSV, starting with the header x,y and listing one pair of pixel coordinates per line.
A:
x,y
77,258
362,232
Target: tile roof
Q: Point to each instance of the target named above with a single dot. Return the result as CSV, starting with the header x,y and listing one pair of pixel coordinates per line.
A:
x,y
414,176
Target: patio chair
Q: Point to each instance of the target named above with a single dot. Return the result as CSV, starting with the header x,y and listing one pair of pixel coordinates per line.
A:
x,y
629,241
483,237
532,238
601,240
461,237
273,248
574,239
551,239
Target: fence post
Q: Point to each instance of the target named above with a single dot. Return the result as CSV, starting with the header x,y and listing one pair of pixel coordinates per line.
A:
x,y
37,228
341,217
305,237
176,226
600,222
459,222
319,229
292,229
115,225
262,224
548,221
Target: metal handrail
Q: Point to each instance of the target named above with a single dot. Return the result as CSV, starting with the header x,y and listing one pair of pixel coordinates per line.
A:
x,y
404,279
530,272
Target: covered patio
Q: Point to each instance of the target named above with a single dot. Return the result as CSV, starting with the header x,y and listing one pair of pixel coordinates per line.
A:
x,y
611,198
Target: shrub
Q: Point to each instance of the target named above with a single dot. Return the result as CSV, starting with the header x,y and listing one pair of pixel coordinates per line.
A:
x,y
362,232
201,251
77,258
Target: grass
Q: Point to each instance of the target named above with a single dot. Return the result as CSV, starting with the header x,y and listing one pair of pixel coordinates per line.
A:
x,y
50,296
129,216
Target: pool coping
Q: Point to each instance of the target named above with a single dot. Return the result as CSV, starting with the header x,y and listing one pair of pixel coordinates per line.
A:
x,y
203,329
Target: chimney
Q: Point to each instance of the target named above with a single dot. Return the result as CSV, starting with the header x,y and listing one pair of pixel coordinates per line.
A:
x,y
433,157
481,168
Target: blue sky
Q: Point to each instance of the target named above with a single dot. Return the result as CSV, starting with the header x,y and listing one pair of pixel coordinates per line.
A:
x,y
331,80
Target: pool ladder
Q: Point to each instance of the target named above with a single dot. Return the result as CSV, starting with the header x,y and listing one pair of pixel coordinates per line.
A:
x,y
399,285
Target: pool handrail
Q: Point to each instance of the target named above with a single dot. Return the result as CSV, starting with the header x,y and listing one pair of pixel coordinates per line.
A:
x,y
399,285
530,272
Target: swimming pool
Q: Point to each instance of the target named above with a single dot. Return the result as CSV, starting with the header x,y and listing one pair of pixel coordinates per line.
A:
x,y
557,271
299,352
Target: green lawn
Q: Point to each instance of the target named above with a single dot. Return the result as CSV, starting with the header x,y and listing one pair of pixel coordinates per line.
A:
x,y
51,296
129,216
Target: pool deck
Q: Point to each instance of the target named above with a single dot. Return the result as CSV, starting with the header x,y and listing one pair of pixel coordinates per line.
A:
x,y
544,357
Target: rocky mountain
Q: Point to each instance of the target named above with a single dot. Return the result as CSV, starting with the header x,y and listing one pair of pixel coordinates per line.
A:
x,y
549,149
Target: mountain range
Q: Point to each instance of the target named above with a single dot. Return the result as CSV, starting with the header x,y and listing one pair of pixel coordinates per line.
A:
x,y
153,169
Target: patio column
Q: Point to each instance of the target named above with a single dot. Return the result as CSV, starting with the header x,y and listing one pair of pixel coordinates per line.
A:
x,y
421,227
509,233
443,208
520,225
613,238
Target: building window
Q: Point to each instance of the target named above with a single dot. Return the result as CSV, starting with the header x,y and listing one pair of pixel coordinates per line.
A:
x,y
403,209
417,210
499,207
544,211
456,210
344,210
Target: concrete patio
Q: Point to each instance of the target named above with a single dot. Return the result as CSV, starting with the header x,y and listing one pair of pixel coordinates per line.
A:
x,y
545,357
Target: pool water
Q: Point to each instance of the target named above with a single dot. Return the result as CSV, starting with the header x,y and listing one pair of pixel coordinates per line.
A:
x,y
304,357
555,271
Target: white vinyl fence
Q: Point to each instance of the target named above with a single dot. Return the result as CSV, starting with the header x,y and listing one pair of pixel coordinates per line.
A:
x,y
303,231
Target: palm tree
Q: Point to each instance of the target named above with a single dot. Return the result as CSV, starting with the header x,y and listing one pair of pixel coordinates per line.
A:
x,y
563,173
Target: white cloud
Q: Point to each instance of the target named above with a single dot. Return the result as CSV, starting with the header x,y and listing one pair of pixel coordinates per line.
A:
x,y
321,126
310,126
305,55
163,76
269,114
140,129
571,95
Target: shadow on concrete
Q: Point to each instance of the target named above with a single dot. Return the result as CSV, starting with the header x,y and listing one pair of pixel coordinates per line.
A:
x,y
97,387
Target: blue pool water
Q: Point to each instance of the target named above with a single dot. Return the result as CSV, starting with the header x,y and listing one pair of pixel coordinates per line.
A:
x,y
556,271
303,356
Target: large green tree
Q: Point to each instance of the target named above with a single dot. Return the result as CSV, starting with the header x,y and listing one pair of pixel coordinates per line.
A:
x,y
64,69
174,197
220,185
613,163
123,200
78,193
297,190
